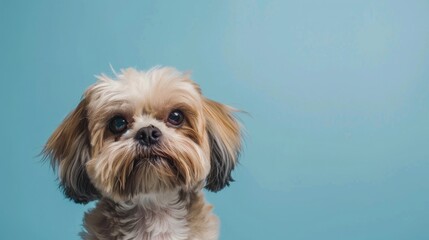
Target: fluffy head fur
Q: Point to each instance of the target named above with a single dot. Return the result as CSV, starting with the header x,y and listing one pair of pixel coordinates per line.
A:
x,y
94,162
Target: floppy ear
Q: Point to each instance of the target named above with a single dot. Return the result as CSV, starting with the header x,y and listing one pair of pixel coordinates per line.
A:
x,y
69,149
225,142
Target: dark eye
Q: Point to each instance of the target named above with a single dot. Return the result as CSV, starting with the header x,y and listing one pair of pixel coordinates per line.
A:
x,y
175,118
118,125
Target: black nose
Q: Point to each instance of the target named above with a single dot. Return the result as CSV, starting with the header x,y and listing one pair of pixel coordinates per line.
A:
x,y
148,135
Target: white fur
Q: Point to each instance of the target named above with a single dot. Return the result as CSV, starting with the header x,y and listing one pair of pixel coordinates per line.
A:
x,y
162,217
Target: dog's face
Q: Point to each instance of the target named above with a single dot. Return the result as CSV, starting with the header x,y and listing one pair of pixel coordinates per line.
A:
x,y
145,132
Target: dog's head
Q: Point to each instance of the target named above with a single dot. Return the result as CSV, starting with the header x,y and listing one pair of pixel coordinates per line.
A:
x,y
145,132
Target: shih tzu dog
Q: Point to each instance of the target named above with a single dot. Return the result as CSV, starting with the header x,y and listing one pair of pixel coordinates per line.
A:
x,y
145,145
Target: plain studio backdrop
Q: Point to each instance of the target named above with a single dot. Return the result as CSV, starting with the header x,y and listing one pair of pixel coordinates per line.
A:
x,y
337,142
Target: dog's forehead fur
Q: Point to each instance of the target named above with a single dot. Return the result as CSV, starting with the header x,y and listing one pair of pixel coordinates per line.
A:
x,y
136,92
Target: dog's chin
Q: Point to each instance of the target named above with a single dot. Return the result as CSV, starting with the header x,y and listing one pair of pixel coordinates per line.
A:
x,y
149,174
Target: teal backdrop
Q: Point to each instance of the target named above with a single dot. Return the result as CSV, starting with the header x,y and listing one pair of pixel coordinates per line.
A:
x,y
337,135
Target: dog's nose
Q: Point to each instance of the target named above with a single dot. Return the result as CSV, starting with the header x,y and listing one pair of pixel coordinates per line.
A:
x,y
148,135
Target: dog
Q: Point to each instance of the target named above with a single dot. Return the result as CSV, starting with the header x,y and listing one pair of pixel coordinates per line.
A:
x,y
144,146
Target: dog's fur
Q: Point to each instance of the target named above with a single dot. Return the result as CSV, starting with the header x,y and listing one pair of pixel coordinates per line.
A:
x,y
146,192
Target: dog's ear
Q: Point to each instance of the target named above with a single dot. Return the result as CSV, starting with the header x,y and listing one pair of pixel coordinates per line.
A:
x,y
225,143
69,149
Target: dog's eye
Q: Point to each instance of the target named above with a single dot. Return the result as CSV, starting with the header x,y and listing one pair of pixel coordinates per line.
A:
x,y
175,118
118,125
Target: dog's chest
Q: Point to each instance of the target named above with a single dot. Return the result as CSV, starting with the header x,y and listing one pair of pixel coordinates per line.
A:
x,y
160,223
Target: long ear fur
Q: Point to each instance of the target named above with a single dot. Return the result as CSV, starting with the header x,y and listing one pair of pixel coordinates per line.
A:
x,y
69,149
225,143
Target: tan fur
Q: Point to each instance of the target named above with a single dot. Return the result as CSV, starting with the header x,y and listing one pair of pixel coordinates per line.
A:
x,y
203,224
221,121
95,163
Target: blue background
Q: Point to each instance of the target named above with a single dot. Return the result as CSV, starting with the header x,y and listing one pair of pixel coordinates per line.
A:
x,y
337,91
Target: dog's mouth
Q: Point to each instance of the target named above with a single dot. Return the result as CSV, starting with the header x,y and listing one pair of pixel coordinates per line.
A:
x,y
149,159
154,160
150,154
